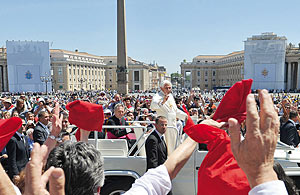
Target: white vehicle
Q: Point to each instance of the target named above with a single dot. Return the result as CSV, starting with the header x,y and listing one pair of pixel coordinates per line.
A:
x,y
121,170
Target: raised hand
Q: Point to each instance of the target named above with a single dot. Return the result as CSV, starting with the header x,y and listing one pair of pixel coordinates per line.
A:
x,y
56,121
35,181
256,152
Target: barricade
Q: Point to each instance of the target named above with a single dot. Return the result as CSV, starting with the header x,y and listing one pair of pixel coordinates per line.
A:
x,y
178,133
109,144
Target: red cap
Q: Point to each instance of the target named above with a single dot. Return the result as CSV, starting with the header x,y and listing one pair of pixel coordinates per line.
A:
x,y
233,104
86,115
8,128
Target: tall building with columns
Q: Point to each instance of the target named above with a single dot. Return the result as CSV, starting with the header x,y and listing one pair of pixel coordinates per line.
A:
x,y
211,71
74,70
267,59
292,61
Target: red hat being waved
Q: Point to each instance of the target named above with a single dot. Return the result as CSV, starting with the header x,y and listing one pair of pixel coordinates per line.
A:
x,y
219,172
8,128
85,116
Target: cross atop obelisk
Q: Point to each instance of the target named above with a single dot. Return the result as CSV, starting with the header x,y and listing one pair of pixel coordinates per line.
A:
x,y
122,63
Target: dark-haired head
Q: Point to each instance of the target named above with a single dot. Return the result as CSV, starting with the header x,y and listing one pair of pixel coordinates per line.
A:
x,y
288,182
82,164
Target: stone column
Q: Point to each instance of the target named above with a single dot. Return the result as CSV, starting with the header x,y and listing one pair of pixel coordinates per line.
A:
x,y
122,61
295,75
5,78
298,78
289,76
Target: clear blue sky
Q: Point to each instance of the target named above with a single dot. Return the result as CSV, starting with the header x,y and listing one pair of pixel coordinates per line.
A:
x,y
166,31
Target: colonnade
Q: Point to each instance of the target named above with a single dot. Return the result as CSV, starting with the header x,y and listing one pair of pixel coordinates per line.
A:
x,y
292,75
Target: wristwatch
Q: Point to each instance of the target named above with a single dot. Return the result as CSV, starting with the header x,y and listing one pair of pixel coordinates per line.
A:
x,y
58,139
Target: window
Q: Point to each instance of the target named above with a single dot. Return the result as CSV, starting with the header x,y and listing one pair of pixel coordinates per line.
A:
x,y
206,85
60,80
74,71
59,70
206,73
198,73
188,76
214,73
136,76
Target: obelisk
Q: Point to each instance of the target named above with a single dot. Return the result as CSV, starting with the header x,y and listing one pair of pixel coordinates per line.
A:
x,y
122,62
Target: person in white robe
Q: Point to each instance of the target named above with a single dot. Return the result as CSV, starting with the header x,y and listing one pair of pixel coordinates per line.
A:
x,y
164,104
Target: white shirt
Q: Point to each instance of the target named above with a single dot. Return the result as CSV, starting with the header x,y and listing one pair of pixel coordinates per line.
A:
x,y
154,182
275,187
159,134
157,182
16,189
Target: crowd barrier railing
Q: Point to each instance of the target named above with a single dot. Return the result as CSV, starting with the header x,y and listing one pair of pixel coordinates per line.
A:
x,y
178,135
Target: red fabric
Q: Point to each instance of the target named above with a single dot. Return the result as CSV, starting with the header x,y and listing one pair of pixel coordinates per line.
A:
x,y
8,128
112,136
233,104
85,116
219,172
127,136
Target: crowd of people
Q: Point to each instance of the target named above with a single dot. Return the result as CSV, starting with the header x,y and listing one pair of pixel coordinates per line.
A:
x,y
47,136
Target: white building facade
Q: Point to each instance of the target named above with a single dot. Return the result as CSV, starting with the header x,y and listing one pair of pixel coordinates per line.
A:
x,y
28,66
265,61
74,70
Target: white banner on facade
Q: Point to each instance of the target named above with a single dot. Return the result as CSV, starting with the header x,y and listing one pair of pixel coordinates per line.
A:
x,y
28,74
265,72
27,61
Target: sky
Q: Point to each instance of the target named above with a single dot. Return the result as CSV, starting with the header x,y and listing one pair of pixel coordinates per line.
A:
x,y
164,31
